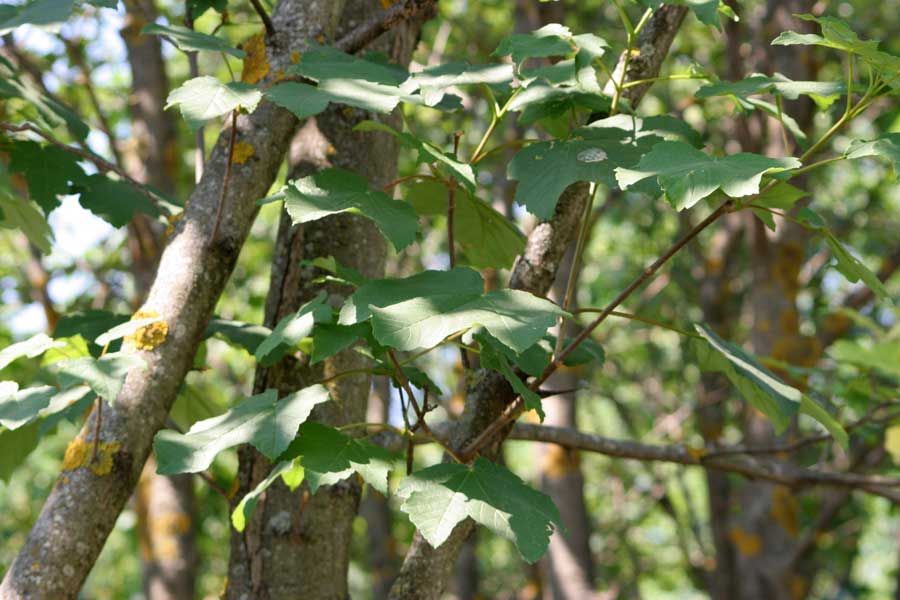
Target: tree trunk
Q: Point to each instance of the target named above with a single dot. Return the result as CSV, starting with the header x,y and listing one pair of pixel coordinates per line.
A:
x,y
297,544
426,569
85,503
164,505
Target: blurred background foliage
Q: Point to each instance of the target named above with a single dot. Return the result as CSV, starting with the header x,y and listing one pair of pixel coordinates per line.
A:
x,y
649,521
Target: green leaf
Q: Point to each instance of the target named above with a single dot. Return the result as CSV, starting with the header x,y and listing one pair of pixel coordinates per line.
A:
x,y
420,311
386,292
492,358
853,269
114,201
759,386
33,346
883,355
777,84
334,191
545,169
264,421
549,40
15,446
835,34
439,497
329,339
327,62
434,82
43,110
782,196
105,375
301,99
488,240
20,407
305,100
541,102
204,98
328,456
48,171
688,175
198,7
89,325
46,14
124,329
291,329
24,215
517,319
245,335
246,506
428,153
886,146
188,40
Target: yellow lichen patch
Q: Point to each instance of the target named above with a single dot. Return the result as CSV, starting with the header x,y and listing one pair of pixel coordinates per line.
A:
x,y
80,453
321,38
331,150
279,76
172,221
748,544
150,336
242,151
295,57
785,511
256,65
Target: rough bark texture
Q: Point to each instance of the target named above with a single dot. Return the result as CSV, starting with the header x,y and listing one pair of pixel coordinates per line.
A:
x,y
87,498
164,505
426,569
297,544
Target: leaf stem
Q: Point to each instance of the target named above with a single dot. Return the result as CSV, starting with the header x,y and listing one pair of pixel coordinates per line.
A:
x,y
226,177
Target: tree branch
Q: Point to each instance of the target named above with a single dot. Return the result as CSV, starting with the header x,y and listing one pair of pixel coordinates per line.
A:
x,y
103,165
753,468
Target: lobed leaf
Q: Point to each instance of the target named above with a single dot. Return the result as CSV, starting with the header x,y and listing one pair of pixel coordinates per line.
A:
x,y
264,421
688,175
439,497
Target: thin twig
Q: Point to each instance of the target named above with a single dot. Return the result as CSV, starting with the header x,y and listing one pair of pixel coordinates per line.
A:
x,y
97,424
225,179
103,165
270,29
513,410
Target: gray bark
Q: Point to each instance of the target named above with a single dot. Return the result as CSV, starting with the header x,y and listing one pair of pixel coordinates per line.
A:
x,y
165,506
426,569
84,505
297,544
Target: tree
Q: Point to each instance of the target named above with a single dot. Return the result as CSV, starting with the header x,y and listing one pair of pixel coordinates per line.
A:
x,y
389,264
